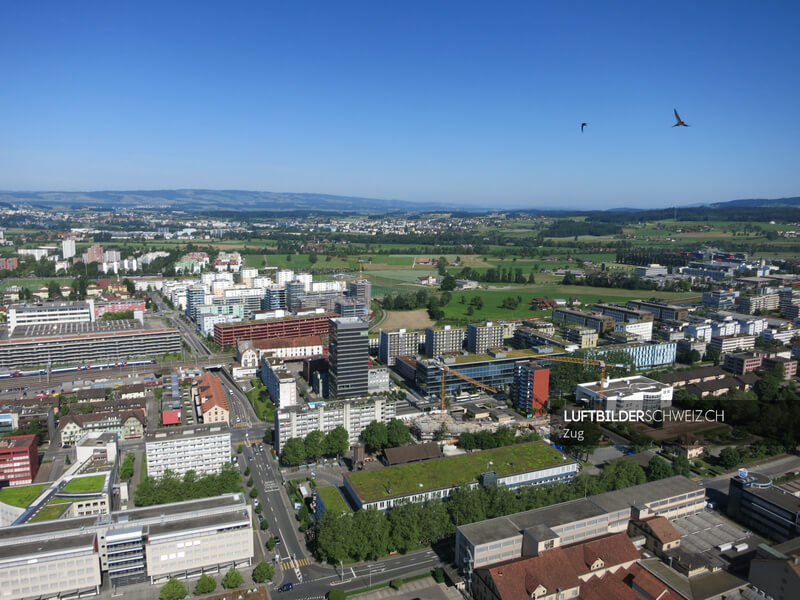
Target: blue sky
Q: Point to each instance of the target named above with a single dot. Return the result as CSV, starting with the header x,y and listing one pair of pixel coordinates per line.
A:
x,y
476,104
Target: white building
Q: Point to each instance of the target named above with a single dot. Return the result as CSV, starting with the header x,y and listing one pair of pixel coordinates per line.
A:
x,y
36,253
284,276
753,326
203,449
280,383
328,286
626,394
699,331
725,328
305,279
378,380
51,313
67,248
643,329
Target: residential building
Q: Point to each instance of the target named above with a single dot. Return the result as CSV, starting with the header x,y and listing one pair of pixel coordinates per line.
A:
x,y
732,343
644,355
67,248
360,289
85,343
51,313
349,357
436,479
598,321
443,340
643,330
531,387
660,310
539,338
125,425
200,448
291,348
743,362
350,307
585,337
118,306
378,380
626,394
354,415
9,264
513,536
683,378
783,335
94,254
625,314
19,460
228,334
760,303
720,299
397,343
789,365
755,502
280,382
209,399
482,336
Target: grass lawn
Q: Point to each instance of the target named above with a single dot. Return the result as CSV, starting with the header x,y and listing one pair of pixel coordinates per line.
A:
x,y
454,470
48,513
333,500
92,483
263,405
21,496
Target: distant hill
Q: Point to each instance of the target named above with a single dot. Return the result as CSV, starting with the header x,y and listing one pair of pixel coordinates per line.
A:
x,y
197,200
755,202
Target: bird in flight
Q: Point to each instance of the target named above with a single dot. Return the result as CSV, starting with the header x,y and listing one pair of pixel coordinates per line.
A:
x,y
582,126
677,117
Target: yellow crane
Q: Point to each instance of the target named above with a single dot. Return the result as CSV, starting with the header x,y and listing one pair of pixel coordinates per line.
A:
x,y
445,370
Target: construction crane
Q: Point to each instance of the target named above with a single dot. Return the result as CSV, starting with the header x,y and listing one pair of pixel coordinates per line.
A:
x,y
445,370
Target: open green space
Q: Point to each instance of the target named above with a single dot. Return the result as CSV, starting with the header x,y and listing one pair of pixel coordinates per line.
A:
x,y
48,513
263,405
21,496
452,471
333,500
91,483
32,284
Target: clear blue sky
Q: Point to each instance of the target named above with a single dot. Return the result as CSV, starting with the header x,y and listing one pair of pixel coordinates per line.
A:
x,y
470,103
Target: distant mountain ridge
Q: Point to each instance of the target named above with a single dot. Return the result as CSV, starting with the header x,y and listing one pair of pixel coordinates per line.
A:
x,y
202,200
755,202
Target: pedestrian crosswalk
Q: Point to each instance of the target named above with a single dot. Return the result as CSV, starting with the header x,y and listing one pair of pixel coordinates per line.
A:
x,y
288,565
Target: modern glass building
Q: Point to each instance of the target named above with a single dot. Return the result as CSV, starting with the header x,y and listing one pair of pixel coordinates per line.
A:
x,y
349,357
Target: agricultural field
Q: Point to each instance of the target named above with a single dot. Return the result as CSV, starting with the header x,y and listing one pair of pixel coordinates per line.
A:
x,y
407,319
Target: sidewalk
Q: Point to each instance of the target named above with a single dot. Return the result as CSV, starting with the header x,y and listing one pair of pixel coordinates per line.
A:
x,y
425,588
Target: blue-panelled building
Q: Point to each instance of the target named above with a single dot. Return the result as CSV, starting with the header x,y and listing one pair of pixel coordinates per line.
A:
x,y
644,355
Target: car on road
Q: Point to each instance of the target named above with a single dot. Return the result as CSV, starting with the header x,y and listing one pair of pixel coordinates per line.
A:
x,y
277,540
249,457
285,587
260,518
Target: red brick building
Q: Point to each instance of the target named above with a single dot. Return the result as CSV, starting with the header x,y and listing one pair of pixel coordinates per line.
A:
x,y
228,334
19,459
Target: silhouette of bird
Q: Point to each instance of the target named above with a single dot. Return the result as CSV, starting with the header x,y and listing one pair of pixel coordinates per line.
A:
x,y
582,126
677,117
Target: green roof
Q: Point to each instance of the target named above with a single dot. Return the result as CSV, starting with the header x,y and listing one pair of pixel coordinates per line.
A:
x,y
452,471
91,483
49,513
332,497
21,496
509,354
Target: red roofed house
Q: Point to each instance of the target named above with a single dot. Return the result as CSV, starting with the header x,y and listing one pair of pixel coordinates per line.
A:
x,y
19,459
660,535
213,402
291,348
171,417
563,572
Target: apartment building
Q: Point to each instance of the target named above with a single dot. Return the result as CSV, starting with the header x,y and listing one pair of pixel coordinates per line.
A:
x,y
228,334
482,336
128,424
443,340
202,448
354,415
209,399
531,387
279,381
732,343
398,343
660,310
644,355
585,337
760,303
642,330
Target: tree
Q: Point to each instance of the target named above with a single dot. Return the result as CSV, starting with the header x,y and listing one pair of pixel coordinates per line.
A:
x,y
250,482
448,283
621,473
337,442
694,357
682,466
658,468
730,457
172,590
270,539
232,579
398,433
294,452
263,571
247,473
205,585
254,493
375,436
315,444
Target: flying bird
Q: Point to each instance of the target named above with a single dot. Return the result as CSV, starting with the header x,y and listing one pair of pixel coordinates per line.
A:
x,y
582,126
677,117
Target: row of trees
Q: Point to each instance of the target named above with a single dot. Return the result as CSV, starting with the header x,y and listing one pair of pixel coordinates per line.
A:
x,y
172,488
497,275
315,445
369,534
626,281
485,439
175,589
377,436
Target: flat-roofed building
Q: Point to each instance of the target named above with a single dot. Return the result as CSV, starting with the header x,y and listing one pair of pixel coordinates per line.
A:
x,y
292,348
513,536
761,302
626,394
482,336
19,460
200,448
768,509
660,310
398,343
349,357
281,384
625,314
531,387
50,313
585,337
443,340
733,343
598,321
228,334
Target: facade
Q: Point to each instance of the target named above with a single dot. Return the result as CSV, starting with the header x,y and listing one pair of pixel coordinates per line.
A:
x,y
280,383
118,306
378,380
180,540
626,394
209,397
767,509
203,449
228,334
443,475
360,289
585,337
19,460
599,322
397,343
482,336
760,303
52,313
732,343
642,330
439,341
514,536
127,424
774,570
720,299
660,310
652,270
293,348
94,254
626,314
644,355
531,387
67,248
744,362
354,415
349,357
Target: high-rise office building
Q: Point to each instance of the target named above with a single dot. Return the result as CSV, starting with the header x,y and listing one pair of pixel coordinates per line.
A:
x,y
361,289
349,357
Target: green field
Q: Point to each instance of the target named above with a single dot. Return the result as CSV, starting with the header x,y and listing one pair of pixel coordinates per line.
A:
x,y
451,471
334,502
92,483
21,496
48,513
32,284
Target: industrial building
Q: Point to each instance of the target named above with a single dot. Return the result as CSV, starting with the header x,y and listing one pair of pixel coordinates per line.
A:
x,y
50,313
768,509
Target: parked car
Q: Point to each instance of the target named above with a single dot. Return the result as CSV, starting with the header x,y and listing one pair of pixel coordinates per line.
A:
x,y
277,540
285,587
